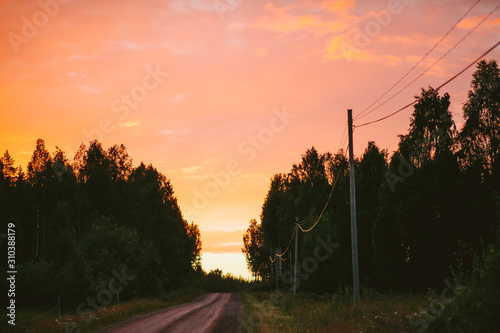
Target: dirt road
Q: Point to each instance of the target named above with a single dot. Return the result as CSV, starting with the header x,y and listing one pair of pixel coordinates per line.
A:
x,y
209,314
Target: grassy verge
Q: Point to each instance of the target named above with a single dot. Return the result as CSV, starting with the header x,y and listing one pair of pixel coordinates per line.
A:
x,y
330,313
38,320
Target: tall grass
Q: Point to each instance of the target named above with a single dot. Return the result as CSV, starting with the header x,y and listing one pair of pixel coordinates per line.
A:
x,y
37,320
330,313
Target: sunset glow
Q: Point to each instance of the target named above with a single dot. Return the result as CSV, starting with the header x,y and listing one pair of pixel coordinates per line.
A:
x,y
221,95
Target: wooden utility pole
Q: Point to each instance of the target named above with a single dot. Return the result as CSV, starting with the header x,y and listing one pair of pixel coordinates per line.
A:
x,y
276,266
271,265
270,272
296,255
37,227
354,230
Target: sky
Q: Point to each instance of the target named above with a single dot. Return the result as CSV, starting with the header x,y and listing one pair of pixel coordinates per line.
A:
x,y
220,95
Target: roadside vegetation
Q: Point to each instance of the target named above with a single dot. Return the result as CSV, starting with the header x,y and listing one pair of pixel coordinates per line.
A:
x,y
330,312
47,318
467,303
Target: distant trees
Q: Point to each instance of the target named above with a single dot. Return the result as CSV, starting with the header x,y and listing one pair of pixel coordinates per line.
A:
x,y
77,221
415,209
216,282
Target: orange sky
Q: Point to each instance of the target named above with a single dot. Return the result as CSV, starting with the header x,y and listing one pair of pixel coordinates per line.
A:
x,y
220,95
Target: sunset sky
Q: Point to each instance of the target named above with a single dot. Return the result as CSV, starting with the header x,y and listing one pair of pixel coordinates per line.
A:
x,y
221,95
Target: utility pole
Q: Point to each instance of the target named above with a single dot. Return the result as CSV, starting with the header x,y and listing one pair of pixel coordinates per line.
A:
x,y
37,227
270,274
280,265
276,266
354,230
296,255
271,264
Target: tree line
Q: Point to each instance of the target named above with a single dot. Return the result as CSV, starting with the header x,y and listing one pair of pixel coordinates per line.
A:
x,y
418,210
81,223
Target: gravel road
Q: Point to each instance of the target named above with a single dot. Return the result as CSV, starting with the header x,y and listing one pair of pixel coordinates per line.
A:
x,y
211,313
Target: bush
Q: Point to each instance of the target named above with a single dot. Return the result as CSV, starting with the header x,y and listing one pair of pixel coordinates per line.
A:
x,y
476,308
30,276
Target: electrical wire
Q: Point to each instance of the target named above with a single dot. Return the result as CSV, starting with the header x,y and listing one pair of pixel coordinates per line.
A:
x,y
326,205
288,257
417,63
299,224
311,217
435,63
288,246
442,85
334,183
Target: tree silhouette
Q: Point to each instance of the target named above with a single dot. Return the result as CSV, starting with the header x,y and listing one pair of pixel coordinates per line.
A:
x,y
76,221
480,136
252,243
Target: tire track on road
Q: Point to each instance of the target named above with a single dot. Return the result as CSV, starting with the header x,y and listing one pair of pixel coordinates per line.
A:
x,y
206,314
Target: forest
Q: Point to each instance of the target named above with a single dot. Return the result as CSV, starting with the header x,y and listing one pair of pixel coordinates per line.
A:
x,y
427,214
93,224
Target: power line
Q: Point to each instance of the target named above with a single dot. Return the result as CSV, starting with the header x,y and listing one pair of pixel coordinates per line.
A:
x,y
310,217
442,85
287,247
324,208
326,205
421,59
435,63
334,182
281,255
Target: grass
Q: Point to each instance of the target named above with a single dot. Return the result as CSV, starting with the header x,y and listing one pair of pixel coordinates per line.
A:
x,y
330,313
38,320
262,313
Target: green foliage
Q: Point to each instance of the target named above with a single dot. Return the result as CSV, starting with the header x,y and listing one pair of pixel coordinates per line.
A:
x,y
109,246
35,283
77,222
475,307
